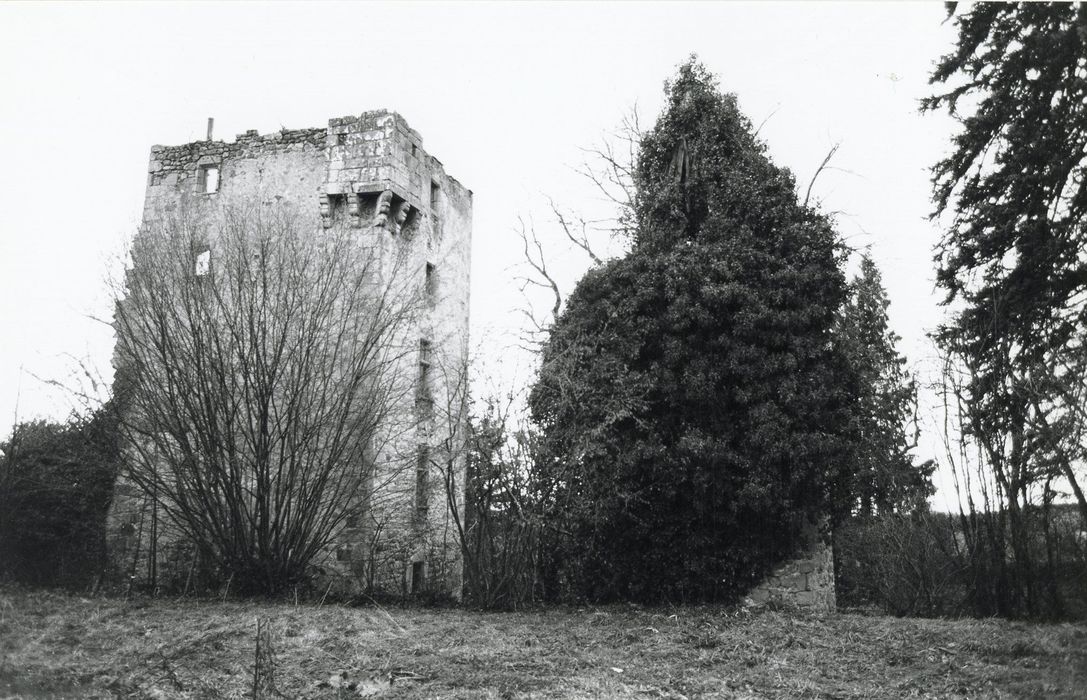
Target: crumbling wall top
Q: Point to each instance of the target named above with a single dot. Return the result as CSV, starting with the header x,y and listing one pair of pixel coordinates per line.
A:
x,y
248,145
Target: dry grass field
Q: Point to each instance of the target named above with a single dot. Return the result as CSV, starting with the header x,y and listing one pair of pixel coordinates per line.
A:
x,y
54,645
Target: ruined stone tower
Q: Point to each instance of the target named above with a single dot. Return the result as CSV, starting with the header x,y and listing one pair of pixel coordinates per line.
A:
x,y
370,173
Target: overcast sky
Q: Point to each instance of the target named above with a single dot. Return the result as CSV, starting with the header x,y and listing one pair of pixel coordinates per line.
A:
x,y
503,94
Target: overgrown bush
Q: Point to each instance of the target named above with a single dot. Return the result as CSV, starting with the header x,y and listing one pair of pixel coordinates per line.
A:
x,y
56,484
500,534
938,564
904,564
692,400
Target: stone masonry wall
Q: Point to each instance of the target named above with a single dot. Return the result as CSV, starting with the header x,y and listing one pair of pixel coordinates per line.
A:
x,y
371,173
804,582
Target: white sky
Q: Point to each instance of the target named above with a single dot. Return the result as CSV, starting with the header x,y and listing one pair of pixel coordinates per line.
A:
x,y
503,94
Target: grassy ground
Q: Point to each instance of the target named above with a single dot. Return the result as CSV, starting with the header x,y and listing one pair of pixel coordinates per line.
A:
x,y
54,645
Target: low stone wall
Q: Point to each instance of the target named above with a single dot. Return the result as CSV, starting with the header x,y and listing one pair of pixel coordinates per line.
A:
x,y
804,582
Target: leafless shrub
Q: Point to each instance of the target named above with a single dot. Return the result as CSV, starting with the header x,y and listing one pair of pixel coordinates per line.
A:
x,y
906,564
257,362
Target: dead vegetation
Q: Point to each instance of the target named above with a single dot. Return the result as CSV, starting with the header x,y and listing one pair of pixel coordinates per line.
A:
x,y
53,645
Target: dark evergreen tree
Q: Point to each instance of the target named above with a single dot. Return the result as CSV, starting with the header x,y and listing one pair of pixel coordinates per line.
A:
x,y
1014,192
1012,259
56,485
693,401
887,479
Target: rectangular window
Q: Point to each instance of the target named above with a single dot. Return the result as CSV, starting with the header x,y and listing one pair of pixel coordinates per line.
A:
x,y
431,283
435,202
422,390
418,574
203,263
207,179
422,471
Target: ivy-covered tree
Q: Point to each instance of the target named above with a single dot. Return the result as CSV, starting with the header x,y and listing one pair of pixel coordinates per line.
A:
x,y
56,484
887,480
1014,189
692,399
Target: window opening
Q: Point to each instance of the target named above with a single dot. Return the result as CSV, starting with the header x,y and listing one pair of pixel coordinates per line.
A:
x,y
422,471
207,179
435,201
431,282
203,263
417,575
423,389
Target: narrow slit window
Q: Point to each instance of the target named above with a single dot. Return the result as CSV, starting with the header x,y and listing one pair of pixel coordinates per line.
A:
x,y
435,203
418,574
431,282
424,355
422,394
422,470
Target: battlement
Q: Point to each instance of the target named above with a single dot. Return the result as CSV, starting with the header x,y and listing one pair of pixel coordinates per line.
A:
x,y
372,162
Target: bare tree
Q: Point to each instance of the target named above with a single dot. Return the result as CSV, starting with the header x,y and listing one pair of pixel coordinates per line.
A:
x,y
609,166
1057,390
819,170
1006,473
499,529
538,276
257,364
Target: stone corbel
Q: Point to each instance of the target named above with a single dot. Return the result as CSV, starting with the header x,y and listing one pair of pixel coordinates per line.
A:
x,y
392,211
403,210
353,210
383,211
326,210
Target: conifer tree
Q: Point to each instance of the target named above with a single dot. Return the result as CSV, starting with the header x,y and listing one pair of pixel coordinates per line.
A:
x,y
886,477
1012,260
692,399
